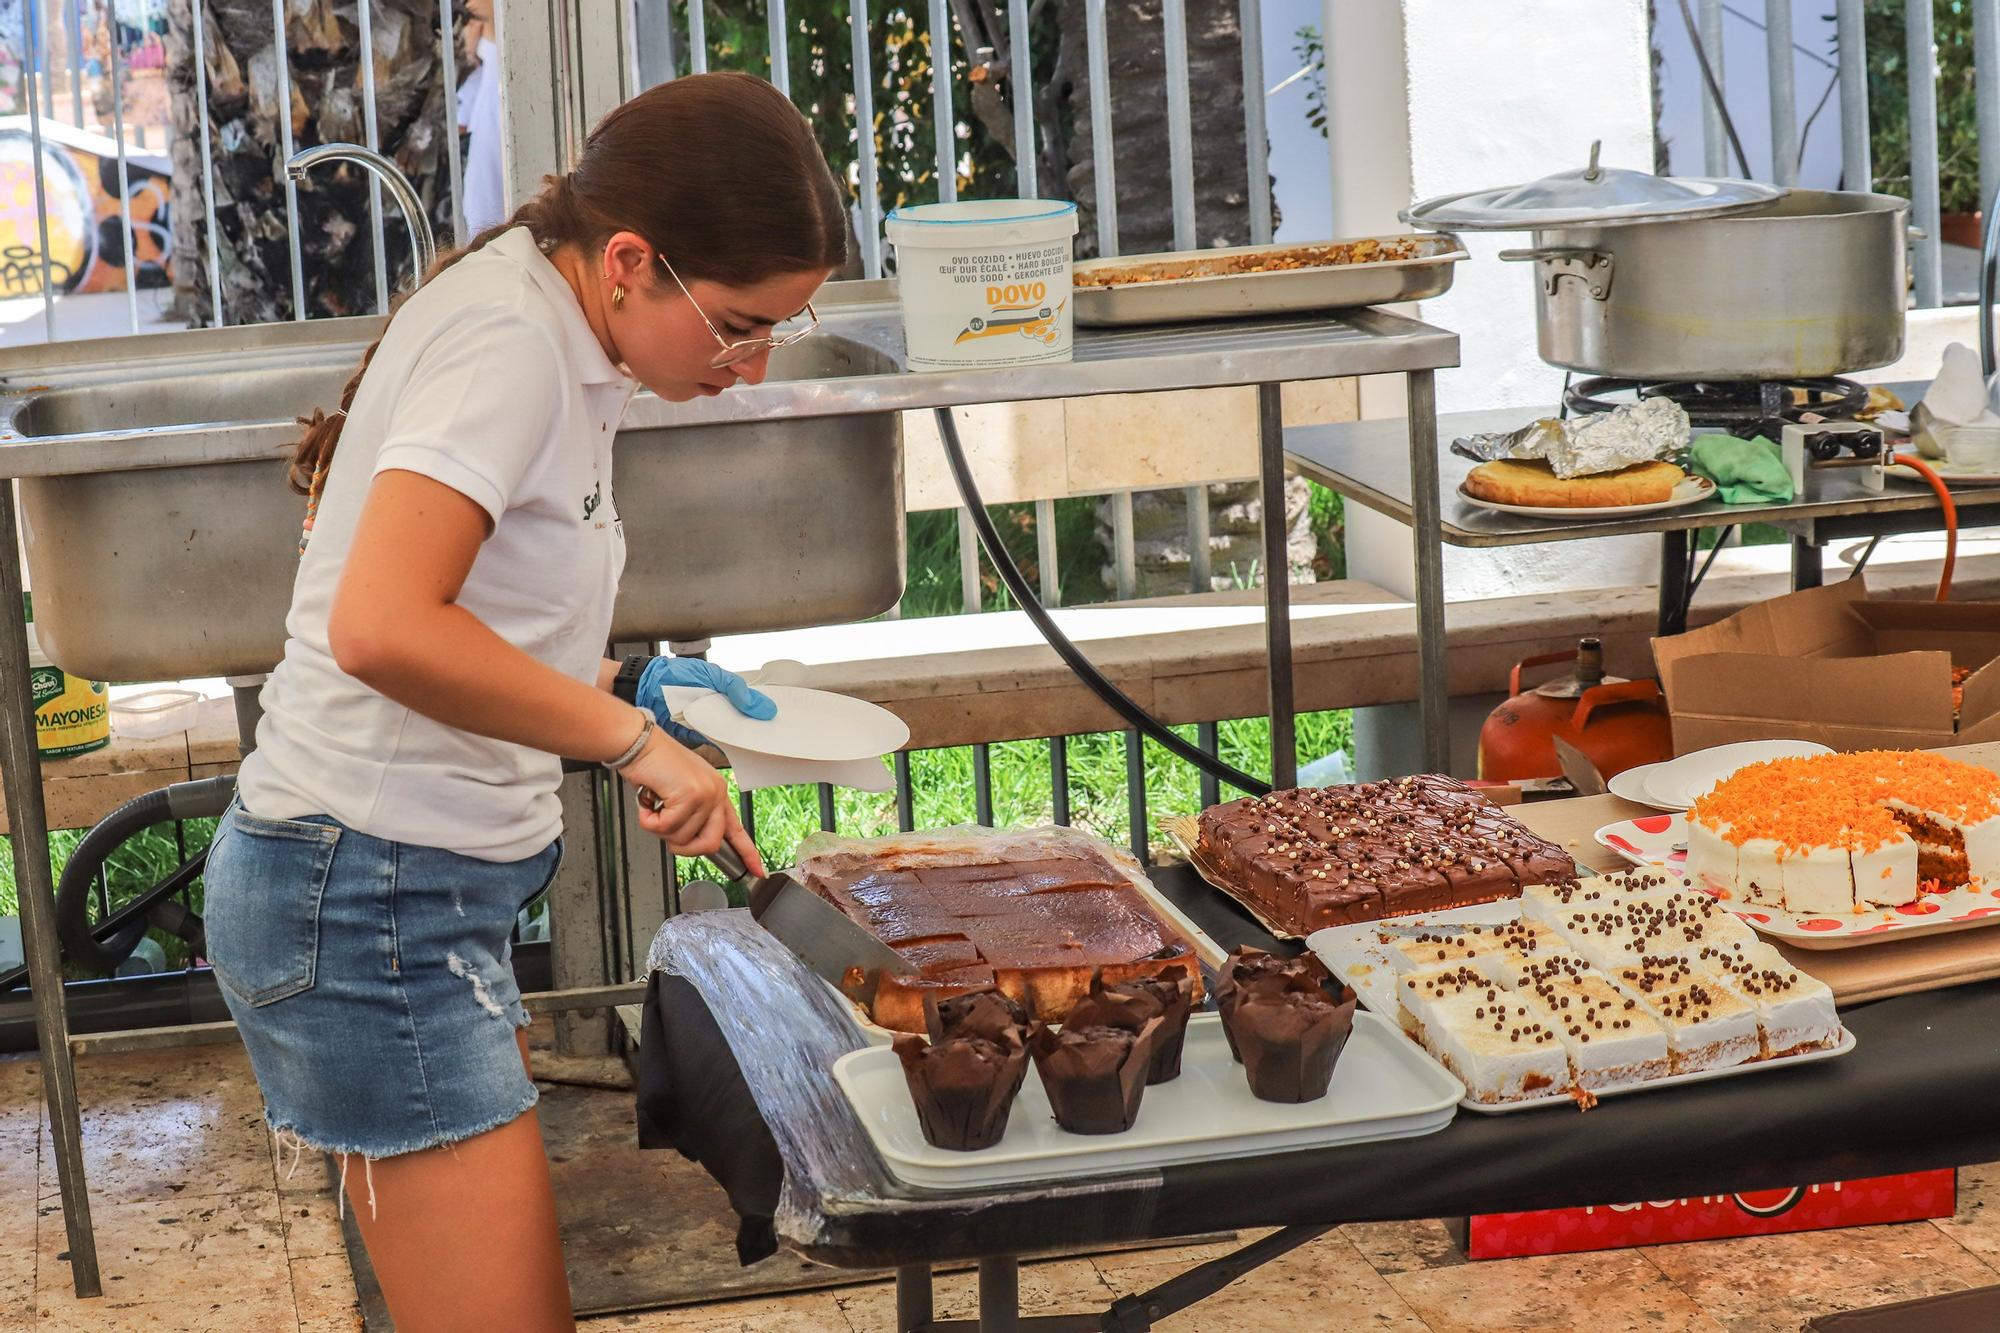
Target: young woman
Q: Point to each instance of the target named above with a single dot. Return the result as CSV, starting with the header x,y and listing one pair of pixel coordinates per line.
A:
x,y
445,649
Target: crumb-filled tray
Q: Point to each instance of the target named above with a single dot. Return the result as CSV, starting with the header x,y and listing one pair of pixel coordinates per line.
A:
x,y
1264,279
1384,1087
1355,955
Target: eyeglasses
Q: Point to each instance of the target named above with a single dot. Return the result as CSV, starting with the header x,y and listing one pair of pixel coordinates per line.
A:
x,y
741,350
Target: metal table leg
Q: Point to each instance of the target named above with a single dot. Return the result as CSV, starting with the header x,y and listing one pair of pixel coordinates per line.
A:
x,y
1807,565
1427,539
999,1295
21,773
913,1297
1278,584
1673,582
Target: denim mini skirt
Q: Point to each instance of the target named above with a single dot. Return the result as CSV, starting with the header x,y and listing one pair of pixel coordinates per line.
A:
x,y
372,981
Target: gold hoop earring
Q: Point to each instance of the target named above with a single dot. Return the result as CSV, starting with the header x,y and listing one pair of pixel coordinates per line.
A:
x,y
618,296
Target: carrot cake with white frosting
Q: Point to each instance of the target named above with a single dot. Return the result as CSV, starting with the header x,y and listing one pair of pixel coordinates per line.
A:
x,y
1835,833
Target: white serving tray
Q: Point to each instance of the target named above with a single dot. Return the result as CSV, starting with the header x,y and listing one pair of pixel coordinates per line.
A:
x,y
1383,1088
1352,954
1659,843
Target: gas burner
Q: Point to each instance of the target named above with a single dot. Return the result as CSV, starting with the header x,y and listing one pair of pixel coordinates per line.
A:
x,y
1741,407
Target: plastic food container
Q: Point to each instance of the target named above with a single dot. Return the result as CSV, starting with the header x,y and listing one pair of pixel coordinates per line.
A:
x,y
156,713
985,282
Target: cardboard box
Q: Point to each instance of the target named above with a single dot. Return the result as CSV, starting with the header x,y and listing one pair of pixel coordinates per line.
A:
x,y
1842,1203
1829,665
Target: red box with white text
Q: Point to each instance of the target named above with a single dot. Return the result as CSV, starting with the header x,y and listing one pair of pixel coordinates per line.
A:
x,y
1841,1203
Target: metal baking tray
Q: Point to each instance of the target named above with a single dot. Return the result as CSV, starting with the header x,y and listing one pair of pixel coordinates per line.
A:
x,y
1151,297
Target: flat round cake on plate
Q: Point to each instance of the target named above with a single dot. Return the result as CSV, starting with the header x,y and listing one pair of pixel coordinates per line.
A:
x,y
1530,483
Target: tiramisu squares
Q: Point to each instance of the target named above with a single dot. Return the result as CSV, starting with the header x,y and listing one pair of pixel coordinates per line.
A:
x,y
1795,1012
1610,1038
1631,979
1493,1042
1709,1026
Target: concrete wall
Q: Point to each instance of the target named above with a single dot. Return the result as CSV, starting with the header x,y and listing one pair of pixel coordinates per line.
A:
x,y
1431,97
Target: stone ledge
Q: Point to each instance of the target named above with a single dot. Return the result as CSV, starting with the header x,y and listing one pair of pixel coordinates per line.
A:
x,y
1185,659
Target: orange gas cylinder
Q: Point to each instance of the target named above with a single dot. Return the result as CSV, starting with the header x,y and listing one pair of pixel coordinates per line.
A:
x,y
1617,724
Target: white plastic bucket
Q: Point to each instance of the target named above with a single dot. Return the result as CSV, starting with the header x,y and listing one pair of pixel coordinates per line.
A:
x,y
985,282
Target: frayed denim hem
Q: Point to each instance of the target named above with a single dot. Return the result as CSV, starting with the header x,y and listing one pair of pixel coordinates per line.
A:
x,y
287,1137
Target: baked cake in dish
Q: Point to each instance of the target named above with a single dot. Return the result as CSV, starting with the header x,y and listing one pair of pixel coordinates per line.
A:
x,y
1842,833
1035,929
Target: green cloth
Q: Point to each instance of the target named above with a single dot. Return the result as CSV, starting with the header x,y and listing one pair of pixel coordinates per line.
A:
x,y
1744,471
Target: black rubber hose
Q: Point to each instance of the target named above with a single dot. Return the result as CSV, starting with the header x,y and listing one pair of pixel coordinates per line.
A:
x,y
1024,596
110,942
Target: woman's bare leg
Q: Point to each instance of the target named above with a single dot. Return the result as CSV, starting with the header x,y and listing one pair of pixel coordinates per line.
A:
x,y
464,1237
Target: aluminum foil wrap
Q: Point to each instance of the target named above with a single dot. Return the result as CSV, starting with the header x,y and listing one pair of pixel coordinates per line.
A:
x,y
1586,446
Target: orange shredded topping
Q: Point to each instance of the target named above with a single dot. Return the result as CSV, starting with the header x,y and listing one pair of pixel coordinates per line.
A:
x,y
1842,800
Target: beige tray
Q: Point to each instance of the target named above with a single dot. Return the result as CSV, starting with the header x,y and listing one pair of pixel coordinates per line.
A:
x,y
1285,291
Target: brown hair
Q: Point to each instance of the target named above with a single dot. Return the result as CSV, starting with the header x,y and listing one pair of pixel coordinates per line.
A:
x,y
719,172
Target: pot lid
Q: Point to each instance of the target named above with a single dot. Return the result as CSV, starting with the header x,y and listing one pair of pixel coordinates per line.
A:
x,y
1594,196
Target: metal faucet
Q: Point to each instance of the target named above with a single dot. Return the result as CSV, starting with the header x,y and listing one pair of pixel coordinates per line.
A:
x,y
399,185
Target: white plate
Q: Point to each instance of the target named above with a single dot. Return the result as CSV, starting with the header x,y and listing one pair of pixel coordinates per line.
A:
x,y
1382,1089
811,724
1630,785
1352,954
1659,842
1675,784
1945,474
1691,491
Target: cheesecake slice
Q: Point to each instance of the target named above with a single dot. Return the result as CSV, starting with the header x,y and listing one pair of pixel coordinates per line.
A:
x,y
1795,1012
1708,1025
1609,1038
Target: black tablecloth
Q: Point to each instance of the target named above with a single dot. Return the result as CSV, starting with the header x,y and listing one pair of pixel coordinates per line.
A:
x,y
1920,1091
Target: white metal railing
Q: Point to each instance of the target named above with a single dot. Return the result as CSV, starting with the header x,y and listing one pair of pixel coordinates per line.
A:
x,y
41,105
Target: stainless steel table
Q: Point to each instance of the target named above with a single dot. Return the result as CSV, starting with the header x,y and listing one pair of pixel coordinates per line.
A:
x,y
1263,353
1364,461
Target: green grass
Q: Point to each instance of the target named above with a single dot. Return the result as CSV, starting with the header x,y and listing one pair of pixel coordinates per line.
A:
x,y
1023,789
941,780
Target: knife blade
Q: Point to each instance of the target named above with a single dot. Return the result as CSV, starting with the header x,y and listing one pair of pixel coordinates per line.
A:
x,y
825,938
1582,774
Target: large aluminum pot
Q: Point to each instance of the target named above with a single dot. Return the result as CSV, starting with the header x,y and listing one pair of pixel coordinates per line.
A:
x,y
1811,285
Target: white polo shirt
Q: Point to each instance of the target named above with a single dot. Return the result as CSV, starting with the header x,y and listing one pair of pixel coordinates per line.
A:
x,y
490,381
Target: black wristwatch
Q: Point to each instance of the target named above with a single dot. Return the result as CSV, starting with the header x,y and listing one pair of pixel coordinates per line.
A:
x,y
625,685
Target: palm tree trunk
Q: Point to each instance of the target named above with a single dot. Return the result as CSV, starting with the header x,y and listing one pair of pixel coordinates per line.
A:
x,y
336,233
1136,50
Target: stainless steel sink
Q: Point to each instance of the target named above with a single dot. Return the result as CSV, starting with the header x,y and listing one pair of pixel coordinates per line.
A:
x,y
148,572
273,393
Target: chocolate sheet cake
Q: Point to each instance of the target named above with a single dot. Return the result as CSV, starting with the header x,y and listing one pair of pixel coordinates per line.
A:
x,y
1034,929
1312,857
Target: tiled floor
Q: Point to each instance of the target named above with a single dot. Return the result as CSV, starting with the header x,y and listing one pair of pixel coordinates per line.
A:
x,y
200,1228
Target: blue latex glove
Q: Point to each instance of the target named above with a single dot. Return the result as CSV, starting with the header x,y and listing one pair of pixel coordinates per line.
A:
x,y
702,675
